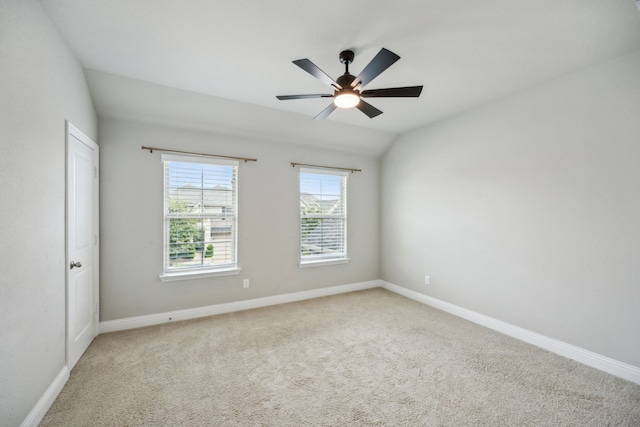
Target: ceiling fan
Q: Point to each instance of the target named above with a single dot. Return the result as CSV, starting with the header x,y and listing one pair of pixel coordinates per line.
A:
x,y
348,91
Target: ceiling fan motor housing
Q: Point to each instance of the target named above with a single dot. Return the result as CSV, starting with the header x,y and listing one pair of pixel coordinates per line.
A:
x,y
345,80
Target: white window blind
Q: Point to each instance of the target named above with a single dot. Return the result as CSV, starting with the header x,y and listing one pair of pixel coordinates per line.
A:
x,y
201,213
323,215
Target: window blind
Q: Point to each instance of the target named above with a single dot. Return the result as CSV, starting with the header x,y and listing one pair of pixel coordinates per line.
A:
x,y
323,214
200,211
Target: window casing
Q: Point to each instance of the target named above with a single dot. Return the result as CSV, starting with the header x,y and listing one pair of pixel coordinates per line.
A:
x,y
323,216
200,216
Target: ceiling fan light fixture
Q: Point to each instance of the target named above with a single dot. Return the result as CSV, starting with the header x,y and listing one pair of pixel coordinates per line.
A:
x,y
346,99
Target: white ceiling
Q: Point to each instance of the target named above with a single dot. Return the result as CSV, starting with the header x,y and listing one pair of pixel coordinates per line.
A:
x,y
466,53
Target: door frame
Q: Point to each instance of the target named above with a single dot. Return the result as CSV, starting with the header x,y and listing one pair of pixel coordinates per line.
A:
x,y
72,131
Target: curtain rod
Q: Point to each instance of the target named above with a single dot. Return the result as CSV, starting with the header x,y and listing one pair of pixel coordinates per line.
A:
x,y
293,165
246,159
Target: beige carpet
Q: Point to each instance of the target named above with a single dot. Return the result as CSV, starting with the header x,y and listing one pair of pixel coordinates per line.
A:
x,y
364,358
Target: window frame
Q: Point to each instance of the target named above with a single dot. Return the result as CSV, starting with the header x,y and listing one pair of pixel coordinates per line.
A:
x,y
332,259
201,271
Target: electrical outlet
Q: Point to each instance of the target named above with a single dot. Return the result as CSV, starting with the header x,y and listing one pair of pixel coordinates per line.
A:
x,y
427,280
245,283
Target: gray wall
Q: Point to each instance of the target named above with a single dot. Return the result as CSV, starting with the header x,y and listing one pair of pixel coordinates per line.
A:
x,y
132,223
41,85
528,210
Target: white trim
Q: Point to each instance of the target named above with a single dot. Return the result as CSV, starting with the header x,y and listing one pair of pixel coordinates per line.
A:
x,y
205,271
589,358
321,262
315,260
194,158
71,129
192,313
324,171
44,403
198,274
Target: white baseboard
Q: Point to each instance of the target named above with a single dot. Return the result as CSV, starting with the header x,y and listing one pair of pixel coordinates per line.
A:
x,y
589,358
39,411
192,313
603,363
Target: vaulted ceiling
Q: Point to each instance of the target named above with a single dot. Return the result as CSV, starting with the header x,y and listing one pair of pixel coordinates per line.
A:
x,y
220,63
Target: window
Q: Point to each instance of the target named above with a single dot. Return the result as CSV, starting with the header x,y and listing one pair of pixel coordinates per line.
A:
x,y
323,217
200,213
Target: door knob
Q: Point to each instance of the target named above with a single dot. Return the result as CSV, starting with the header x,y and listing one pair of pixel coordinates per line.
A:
x,y
75,264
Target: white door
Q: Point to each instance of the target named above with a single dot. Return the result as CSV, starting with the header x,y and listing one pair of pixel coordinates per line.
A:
x,y
82,243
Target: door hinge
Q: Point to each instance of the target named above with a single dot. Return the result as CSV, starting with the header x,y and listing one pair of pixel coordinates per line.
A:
x,y
95,171
96,308
95,239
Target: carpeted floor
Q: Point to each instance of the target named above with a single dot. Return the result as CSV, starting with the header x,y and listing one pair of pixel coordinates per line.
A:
x,y
364,358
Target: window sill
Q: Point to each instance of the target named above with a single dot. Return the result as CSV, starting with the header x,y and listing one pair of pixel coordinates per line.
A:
x,y
188,275
321,262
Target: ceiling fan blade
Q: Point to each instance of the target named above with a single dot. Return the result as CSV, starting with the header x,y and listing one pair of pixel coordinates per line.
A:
x,y
393,92
319,95
316,72
368,109
383,60
325,113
